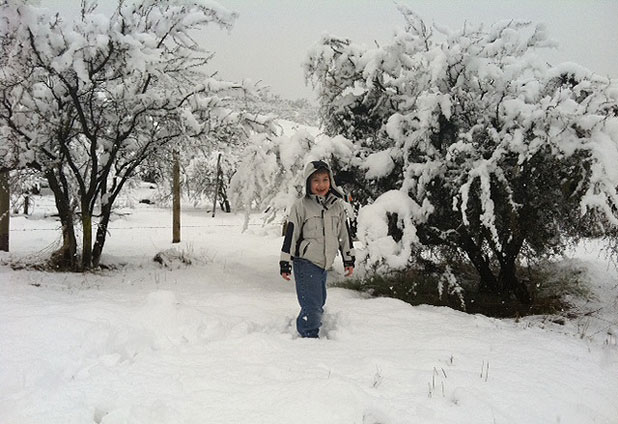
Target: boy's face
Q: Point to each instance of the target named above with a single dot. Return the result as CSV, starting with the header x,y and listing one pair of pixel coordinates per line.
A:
x,y
320,183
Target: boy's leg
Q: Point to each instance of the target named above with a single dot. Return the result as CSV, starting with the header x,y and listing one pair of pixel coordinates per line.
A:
x,y
311,291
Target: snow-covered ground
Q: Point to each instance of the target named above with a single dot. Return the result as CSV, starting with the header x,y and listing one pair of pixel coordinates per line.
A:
x,y
214,342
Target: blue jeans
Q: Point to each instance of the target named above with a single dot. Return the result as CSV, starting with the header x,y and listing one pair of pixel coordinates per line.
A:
x,y
311,291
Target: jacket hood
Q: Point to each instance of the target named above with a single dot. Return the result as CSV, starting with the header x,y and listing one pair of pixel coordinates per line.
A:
x,y
317,165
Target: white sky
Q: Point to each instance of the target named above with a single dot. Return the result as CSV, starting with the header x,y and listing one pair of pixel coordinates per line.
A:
x,y
271,37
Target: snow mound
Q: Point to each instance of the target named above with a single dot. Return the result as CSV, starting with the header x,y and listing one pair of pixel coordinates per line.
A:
x,y
174,258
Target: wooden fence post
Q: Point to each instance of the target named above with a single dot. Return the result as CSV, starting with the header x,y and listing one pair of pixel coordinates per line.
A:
x,y
214,203
176,200
5,213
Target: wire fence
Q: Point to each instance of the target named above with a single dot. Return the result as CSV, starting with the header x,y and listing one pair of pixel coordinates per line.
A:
x,y
144,227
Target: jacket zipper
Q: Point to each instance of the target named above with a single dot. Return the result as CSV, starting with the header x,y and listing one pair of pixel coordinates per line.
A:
x,y
324,235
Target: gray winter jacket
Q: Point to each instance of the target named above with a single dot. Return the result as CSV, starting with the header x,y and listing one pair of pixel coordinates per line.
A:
x,y
317,227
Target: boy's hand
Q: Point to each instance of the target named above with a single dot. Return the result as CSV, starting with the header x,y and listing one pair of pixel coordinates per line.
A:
x,y
285,269
349,270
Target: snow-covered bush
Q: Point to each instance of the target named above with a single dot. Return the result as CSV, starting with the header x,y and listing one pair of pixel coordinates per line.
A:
x,y
471,146
175,258
270,175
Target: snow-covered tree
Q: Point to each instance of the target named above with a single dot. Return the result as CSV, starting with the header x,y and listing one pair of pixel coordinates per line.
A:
x,y
470,145
264,111
86,102
24,184
299,110
198,156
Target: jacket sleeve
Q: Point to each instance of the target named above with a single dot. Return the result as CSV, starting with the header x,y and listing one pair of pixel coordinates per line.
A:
x,y
292,234
346,246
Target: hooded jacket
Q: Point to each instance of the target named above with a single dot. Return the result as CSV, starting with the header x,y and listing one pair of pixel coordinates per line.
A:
x,y
317,226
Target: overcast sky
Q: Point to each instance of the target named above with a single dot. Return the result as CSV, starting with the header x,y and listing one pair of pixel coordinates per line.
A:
x,y
271,37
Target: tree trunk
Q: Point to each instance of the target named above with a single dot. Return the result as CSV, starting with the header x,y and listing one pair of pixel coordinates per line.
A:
x,y
66,257
87,236
107,200
488,283
176,201
99,242
5,215
510,284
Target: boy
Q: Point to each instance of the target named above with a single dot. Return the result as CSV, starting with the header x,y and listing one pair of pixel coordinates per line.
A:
x,y
317,226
